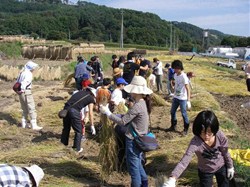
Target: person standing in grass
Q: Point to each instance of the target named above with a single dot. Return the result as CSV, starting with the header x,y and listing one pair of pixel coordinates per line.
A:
x,y
181,96
137,119
247,71
26,97
211,148
158,73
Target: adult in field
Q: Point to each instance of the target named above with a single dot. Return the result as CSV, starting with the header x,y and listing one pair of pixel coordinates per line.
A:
x,y
26,97
247,71
144,67
158,73
74,106
130,67
137,119
81,70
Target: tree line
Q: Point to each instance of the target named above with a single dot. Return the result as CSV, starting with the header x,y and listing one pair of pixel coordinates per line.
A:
x,y
56,20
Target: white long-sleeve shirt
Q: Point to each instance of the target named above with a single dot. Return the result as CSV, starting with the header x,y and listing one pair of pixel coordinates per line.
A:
x,y
25,78
158,68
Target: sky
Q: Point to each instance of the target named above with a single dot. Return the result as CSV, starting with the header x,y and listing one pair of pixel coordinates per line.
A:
x,y
227,16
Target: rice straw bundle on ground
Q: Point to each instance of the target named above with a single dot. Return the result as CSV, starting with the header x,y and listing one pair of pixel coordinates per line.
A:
x,y
158,100
69,79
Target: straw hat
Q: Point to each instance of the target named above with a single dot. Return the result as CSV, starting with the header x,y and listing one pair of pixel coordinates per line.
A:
x,y
117,71
36,172
138,85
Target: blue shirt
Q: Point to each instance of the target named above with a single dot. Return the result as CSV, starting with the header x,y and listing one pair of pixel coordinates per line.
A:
x,y
82,68
13,176
170,73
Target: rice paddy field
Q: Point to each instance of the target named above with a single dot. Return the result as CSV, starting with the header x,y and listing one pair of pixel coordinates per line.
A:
x,y
219,89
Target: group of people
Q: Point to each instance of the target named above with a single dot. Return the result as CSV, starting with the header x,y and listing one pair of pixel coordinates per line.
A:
x,y
130,80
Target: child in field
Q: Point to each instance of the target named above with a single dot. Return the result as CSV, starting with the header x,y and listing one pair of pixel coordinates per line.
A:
x,y
181,96
211,148
103,94
116,95
190,75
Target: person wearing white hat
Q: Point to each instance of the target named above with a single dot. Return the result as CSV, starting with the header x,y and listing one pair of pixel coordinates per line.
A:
x,y
138,120
20,176
74,106
26,97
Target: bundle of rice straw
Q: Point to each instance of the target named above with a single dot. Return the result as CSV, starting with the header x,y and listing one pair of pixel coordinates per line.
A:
x,y
69,79
158,100
108,155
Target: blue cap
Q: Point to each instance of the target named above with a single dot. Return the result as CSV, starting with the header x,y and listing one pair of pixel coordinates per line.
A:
x,y
121,81
85,76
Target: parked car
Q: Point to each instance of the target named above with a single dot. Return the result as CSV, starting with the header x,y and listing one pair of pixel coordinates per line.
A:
x,y
229,64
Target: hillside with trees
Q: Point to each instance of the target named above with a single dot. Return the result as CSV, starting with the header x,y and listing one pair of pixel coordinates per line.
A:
x,y
57,20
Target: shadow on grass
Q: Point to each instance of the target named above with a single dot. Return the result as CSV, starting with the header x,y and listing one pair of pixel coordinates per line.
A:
x,y
46,135
76,172
160,165
8,117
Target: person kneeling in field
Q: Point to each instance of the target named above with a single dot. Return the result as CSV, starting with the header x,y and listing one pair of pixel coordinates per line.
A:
x,y
211,148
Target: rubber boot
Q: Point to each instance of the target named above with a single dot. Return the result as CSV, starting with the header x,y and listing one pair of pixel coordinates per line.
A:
x,y
24,124
34,125
144,183
173,125
185,131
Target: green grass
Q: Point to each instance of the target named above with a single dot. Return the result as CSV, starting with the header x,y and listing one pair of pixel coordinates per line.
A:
x,y
11,49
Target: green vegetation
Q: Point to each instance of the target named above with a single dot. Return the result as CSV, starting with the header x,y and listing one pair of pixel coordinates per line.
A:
x,y
90,22
11,49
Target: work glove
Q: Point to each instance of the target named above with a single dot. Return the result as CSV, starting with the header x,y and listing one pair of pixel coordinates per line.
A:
x,y
105,110
170,182
93,132
230,173
188,105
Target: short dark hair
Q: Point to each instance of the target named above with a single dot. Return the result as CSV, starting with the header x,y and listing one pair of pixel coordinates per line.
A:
x,y
177,64
203,121
93,58
130,55
114,57
106,81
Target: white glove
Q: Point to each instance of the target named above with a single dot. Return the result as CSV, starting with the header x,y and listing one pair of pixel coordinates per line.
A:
x,y
170,182
93,132
230,173
105,110
188,105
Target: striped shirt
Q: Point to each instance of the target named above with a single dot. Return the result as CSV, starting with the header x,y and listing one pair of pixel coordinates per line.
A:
x,y
13,176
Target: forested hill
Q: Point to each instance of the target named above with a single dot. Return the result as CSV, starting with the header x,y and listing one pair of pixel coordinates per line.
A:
x,y
91,22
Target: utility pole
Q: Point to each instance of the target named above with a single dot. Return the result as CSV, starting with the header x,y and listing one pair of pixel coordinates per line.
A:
x,y
121,39
69,34
174,41
171,38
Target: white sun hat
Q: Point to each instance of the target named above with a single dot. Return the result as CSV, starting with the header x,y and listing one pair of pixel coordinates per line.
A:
x,y
138,85
31,65
36,172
